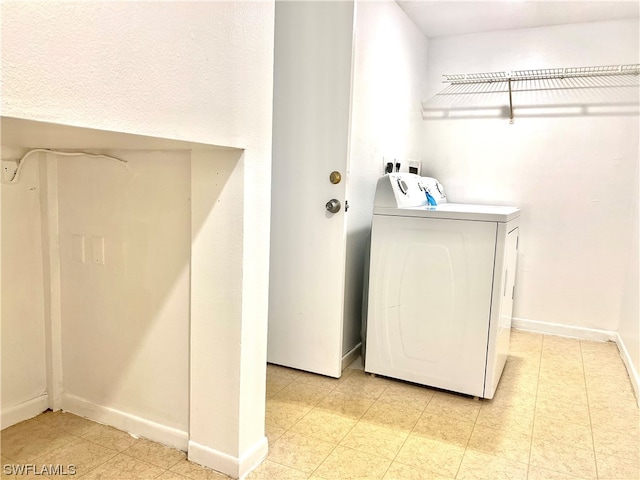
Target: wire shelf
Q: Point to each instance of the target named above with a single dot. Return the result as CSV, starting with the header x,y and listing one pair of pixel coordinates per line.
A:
x,y
490,80
543,74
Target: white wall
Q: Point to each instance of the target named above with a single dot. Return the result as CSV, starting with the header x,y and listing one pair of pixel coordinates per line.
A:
x,y
389,82
23,311
199,72
629,328
125,322
572,175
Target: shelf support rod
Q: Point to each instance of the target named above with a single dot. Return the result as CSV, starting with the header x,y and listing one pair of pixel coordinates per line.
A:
x,y
510,103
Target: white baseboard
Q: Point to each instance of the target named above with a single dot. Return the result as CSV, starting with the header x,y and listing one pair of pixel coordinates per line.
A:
x,y
133,424
561,330
628,362
350,356
227,464
23,411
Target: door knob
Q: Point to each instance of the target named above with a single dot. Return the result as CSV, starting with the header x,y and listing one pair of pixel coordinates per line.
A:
x,y
333,206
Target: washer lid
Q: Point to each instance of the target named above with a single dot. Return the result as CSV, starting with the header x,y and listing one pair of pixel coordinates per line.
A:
x,y
454,211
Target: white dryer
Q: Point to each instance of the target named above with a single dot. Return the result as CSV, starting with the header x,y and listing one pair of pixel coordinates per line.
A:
x,y
441,283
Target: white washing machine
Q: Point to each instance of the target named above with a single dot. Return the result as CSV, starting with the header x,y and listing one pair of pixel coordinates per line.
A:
x,y
441,283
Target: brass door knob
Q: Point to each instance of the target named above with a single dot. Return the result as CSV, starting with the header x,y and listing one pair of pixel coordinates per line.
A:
x,y
335,177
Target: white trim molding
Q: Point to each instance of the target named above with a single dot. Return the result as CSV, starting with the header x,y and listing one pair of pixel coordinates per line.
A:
x,y
137,426
549,328
628,362
24,411
235,467
351,355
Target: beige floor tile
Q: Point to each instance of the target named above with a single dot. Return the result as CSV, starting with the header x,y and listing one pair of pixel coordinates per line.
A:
x,y
563,395
522,336
277,371
561,344
393,415
155,453
169,475
303,394
269,470
511,418
616,443
563,375
406,394
194,471
431,455
563,458
506,396
363,385
601,348
561,380
518,384
275,385
551,431
577,413
480,466
299,451
345,403
456,406
348,464
68,422
123,466
444,429
324,425
321,381
398,471
537,473
284,415
613,400
110,437
81,453
273,432
374,439
617,468
504,443
627,422
27,440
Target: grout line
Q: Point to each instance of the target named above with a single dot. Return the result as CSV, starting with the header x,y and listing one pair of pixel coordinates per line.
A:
x,y
586,389
535,404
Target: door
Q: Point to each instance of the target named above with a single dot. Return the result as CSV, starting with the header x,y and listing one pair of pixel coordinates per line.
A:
x,y
311,107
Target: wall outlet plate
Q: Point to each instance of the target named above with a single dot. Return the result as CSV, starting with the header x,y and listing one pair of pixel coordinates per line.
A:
x,y
9,169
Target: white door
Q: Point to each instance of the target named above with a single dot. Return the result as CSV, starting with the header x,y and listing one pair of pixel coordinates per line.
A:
x,y
312,96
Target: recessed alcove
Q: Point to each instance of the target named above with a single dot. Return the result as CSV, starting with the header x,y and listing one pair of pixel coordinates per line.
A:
x,y
137,321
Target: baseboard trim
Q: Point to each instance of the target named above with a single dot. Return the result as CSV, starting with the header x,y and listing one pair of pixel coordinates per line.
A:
x,y
628,362
23,411
351,355
224,463
559,329
133,424
583,333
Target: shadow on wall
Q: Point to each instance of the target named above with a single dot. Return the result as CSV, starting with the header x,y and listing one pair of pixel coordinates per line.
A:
x,y
125,252
554,97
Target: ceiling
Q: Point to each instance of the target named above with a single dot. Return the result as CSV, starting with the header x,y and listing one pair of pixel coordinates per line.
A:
x,y
454,17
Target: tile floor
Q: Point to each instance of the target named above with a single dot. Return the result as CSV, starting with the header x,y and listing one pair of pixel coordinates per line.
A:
x,y
564,409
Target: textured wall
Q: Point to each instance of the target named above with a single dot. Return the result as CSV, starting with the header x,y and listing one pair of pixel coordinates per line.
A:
x,y
571,174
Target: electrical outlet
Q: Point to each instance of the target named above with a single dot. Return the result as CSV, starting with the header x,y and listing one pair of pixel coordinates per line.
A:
x,y
385,161
9,169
